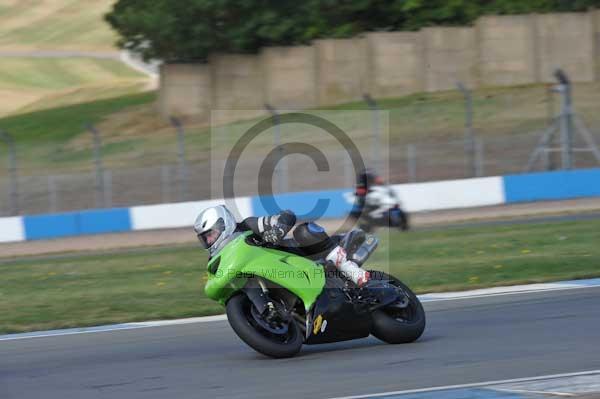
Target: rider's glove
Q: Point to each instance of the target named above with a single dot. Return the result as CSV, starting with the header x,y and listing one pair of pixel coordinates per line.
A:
x,y
277,226
274,235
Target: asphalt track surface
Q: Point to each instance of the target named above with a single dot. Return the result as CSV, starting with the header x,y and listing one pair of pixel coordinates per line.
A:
x,y
466,341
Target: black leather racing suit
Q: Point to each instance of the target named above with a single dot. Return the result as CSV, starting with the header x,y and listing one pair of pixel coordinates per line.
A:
x,y
309,239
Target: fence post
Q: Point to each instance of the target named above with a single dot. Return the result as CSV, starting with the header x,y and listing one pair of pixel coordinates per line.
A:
x,y
550,103
411,157
107,185
566,119
99,167
12,171
479,157
376,136
546,158
349,175
52,194
470,150
549,162
183,174
164,184
282,170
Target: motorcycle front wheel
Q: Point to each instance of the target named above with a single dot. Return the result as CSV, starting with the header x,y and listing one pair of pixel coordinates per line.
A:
x,y
278,341
398,325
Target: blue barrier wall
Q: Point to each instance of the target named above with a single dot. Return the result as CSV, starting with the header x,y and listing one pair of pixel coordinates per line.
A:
x,y
50,226
104,221
76,223
552,185
307,205
312,205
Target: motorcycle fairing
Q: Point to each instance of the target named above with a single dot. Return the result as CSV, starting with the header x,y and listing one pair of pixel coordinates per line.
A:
x,y
335,318
239,261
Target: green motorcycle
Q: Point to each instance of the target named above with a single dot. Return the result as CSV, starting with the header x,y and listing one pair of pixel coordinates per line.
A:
x,y
277,300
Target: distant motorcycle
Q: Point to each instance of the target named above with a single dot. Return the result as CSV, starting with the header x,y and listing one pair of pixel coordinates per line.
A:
x,y
278,299
380,209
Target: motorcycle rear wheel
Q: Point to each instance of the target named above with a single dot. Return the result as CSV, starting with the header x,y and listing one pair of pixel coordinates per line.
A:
x,y
241,319
404,224
398,326
366,226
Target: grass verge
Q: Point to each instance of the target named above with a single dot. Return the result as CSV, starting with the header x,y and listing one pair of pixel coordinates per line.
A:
x,y
432,118
41,136
55,25
85,290
30,84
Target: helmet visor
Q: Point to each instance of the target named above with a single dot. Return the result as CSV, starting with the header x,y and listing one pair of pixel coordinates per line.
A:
x,y
208,237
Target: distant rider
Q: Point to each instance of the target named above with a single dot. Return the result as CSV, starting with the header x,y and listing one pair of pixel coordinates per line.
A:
x,y
372,198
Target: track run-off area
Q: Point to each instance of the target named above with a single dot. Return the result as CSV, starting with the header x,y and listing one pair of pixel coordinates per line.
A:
x,y
471,340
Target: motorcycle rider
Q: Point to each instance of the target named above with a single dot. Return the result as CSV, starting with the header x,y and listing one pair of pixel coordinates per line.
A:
x,y
373,200
372,197
216,226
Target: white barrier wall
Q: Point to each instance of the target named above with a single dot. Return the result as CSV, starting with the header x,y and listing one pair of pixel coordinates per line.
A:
x,y
415,197
11,229
165,216
451,194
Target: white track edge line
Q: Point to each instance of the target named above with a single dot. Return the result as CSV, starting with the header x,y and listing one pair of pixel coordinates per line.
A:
x,y
526,391
503,293
489,384
450,296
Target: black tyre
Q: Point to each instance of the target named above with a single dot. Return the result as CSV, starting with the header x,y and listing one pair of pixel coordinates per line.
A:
x,y
404,225
269,343
365,226
398,326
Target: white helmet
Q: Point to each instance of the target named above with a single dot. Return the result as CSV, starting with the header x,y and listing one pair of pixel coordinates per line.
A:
x,y
214,226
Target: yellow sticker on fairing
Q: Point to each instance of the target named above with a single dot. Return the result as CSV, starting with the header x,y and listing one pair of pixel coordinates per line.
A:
x,y
317,324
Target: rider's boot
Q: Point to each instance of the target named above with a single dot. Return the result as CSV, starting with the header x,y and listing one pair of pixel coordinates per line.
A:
x,y
348,268
370,290
353,250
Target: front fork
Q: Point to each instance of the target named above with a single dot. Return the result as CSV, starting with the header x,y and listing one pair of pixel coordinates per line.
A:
x,y
256,290
270,309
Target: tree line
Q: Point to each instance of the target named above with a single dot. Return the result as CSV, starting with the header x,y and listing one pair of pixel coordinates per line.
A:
x,y
190,30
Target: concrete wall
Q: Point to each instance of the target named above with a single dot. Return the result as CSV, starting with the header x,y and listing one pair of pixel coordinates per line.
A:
x,y
450,55
290,76
238,85
185,89
342,70
507,53
596,40
566,40
397,65
496,51
238,81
